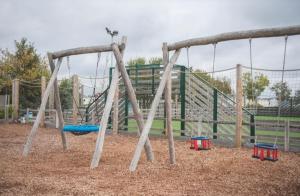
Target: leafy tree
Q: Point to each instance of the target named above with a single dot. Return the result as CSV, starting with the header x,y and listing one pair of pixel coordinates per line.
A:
x,y
66,93
25,64
136,61
282,91
155,60
254,87
222,84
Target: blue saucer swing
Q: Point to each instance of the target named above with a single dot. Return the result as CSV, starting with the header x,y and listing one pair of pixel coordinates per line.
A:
x,y
81,129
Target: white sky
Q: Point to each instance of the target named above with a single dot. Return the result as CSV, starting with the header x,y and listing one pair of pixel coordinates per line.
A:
x,y
62,24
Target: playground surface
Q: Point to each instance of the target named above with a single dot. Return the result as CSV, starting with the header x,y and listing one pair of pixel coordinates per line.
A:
x,y
48,170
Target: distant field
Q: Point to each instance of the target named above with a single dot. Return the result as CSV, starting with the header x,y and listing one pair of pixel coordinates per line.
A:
x,y
277,118
158,126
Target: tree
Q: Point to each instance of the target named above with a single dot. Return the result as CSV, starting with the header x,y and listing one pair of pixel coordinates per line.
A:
x,y
136,61
222,84
297,97
253,87
25,64
66,93
282,91
155,60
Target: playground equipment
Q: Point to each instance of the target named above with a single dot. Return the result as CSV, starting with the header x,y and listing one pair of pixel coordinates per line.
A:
x,y
259,151
200,143
118,50
80,129
166,82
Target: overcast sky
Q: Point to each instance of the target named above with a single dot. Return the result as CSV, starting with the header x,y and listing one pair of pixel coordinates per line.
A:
x,y
61,24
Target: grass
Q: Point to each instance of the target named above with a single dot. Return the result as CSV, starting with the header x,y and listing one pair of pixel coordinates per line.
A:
x,y
158,127
275,118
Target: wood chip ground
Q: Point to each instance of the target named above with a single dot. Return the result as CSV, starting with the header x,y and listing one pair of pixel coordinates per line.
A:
x,y
49,170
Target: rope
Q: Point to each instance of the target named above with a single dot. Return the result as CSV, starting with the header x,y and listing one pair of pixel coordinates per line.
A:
x,y
261,69
214,58
282,75
251,73
76,104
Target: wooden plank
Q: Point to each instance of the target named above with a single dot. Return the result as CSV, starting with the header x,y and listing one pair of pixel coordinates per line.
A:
x,y
84,50
239,106
133,100
168,106
106,112
41,110
104,120
155,103
258,33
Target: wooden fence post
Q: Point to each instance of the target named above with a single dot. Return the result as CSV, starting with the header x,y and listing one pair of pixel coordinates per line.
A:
x,y
75,85
286,135
116,111
43,88
239,105
168,106
51,105
15,98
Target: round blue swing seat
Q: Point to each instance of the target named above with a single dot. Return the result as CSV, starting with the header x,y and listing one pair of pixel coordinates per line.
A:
x,y
81,128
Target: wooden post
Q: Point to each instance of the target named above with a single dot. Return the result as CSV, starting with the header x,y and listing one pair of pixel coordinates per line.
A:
x,y
58,103
116,111
43,88
155,103
168,106
106,112
286,135
41,110
239,109
104,120
132,97
15,98
75,85
51,104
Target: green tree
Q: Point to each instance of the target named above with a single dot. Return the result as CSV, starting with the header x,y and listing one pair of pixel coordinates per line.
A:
x,y
136,61
282,91
253,87
222,84
25,64
155,60
66,93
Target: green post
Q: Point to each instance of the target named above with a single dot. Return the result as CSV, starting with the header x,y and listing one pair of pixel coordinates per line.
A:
x,y
252,127
182,100
136,78
126,105
215,113
153,91
110,74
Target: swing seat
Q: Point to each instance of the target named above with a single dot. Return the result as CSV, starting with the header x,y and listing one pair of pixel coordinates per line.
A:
x,y
200,143
81,129
260,148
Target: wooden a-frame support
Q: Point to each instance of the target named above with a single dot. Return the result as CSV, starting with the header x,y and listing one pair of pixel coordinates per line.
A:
x,y
108,105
